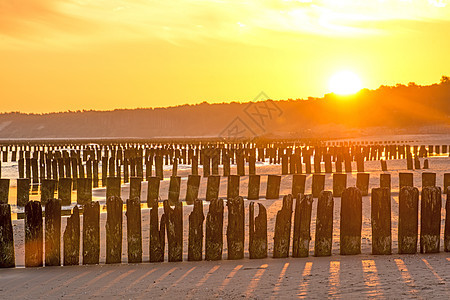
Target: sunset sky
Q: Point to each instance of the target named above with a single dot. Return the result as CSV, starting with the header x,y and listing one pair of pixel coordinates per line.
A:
x,y
58,55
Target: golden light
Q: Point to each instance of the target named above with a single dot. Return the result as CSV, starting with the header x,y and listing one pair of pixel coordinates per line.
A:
x,y
345,83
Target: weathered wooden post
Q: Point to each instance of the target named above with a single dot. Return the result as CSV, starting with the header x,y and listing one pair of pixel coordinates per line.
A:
x,y
273,187
430,219
317,161
84,190
194,167
21,166
318,184
383,165
104,170
409,161
282,234
251,165
48,188
307,161
195,240
348,163
257,246
91,233
324,224
4,190
72,239
447,222
114,207
206,163
339,184
193,185
298,184
152,191
226,165
235,229
65,190
328,165
338,164
284,164
385,181
214,230
135,187
215,159
34,243
302,225
7,257
351,221
157,235
426,164
428,179
53,232
253,187
405,179
362,183
240,165
134,231
212,187
174,229
408,213
446,181
174,190
113,187
381,221
233,186
416,163
159,171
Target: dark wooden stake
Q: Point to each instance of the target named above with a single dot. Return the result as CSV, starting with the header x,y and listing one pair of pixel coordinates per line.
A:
x,y
282,235
153,191
339,184
91,233
72,239
7,257
233,186
174,228
157,235
212,187
324,224
214,230
114,207
193,185
134,231
351,221
34,234
53,233
195,241
257,247
381,221
318,184
408,213
235,229
430,219
302,226
298,184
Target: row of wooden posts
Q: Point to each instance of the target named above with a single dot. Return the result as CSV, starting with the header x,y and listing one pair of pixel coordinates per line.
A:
x,y
113,187
171,224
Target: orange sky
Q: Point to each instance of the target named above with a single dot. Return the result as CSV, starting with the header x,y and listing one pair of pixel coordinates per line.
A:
x,y
58,55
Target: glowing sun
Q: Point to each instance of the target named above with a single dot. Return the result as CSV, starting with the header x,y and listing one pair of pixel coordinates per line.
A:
x,y
345,83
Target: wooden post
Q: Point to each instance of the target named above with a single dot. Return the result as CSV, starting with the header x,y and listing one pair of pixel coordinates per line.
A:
x,y
113,188
21,166
4,190
428,179
273,187
7,257
84,190
215,159
348,163
53,232
360,163
134,231
324,224
233,186
174,230
251,165
153,191
65,190
206,163
235,229
381,221
240,165
114,206
328,165
409,161
195,240
157,235
339,184
23,191
253,187
408,213
159,170
317,160
307,161
302,225
446,181
95,173
338,164
405,179
351,221
362,183
284,164
72,239
193,185
174,190
47,190
298,184
257,246
383,165
426,164
34,244
226,165
212,187
416,163
447,222
91,233
282,234
385,181
318,184
214,230
430,219
135,188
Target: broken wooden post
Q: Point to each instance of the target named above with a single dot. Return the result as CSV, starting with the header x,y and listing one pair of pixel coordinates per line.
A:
x,y
385,181
257,246
114,206
405,179
428,179
214,230
7,257
195,240
381,221
318,184
174,230
430,219
235,228
71,239
273,187
282,234
113,188
233,186
298,184
339,184
157,235
48,188
351,221
408,213
53,232
4,190
134,231
34,243
253,187
362,183
302,225
193,185
91,233
212,187
324,224
447,222
84,191
174,190
152,191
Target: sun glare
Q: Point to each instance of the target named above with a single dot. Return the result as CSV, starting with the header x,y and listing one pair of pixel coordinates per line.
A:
x,y
345,83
